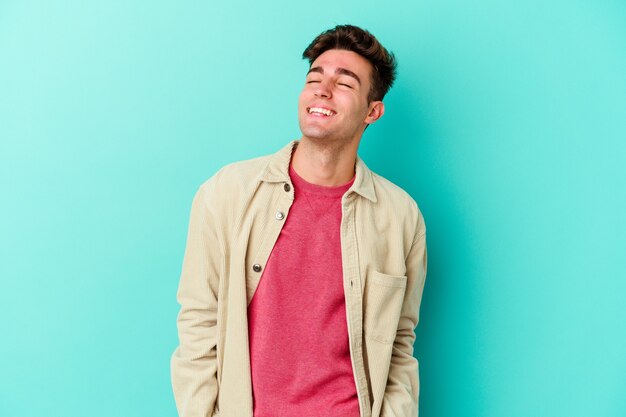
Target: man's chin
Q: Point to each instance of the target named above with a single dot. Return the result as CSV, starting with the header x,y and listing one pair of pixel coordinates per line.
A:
x,y
315,133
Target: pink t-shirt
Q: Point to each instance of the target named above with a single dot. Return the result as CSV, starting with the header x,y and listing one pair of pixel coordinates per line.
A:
x,y
299,352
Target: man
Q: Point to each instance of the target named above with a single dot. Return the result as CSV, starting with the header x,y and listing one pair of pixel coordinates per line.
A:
x,y
303,272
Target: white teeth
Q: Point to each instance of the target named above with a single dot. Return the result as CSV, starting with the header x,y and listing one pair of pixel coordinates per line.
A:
x,y
321,110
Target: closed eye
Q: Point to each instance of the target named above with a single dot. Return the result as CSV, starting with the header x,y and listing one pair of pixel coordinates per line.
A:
x,y
345,85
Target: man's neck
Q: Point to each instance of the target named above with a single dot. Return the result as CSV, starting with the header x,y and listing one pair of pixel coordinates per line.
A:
x,y
323,163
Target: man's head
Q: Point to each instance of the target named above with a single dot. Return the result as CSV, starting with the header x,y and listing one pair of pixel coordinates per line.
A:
x,y
355,39
350,72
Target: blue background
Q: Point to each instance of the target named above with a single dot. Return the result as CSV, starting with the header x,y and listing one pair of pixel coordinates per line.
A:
x,y
507,124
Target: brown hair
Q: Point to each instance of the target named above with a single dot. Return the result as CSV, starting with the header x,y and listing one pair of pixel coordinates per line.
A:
x,y
355,39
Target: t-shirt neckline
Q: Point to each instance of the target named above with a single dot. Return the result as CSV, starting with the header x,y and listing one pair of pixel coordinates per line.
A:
x,y
301,184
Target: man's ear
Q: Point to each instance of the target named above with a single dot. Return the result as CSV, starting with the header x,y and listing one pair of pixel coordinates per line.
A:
x,y
376,111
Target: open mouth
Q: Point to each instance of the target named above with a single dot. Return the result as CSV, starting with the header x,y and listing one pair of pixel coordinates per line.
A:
x,y
320,111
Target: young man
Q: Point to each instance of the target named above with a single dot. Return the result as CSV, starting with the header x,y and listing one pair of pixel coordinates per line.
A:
x,y
303,272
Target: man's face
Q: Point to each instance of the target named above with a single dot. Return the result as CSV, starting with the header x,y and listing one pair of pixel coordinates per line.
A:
x,y
333,106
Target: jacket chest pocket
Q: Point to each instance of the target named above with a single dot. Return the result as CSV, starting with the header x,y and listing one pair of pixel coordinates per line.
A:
x,y
382,305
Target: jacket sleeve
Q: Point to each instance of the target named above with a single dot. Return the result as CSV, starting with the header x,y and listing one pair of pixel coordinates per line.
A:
x,y
194,362
402,390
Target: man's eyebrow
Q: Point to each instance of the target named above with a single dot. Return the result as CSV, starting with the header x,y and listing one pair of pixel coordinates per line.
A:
x,y
316,69
339,70
349,73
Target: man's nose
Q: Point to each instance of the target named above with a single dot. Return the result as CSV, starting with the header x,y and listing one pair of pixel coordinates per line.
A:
x,y
323,89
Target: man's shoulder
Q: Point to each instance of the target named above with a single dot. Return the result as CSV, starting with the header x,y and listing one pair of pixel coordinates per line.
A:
x,y
396,199
238,174
246,170
392,192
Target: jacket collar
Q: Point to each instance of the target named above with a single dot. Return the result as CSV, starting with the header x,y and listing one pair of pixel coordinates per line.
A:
x,y
278,171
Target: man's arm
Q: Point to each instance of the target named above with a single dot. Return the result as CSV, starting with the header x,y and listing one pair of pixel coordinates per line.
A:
x,y
194,362
402,391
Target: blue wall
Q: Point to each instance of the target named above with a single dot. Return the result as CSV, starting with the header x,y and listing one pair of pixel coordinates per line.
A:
x,y
507,124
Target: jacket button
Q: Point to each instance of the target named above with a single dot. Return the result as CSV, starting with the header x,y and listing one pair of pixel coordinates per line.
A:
x,y
280,215
287,187
256,268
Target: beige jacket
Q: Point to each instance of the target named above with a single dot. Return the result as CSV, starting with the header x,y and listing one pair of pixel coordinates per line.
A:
x,y
236,217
